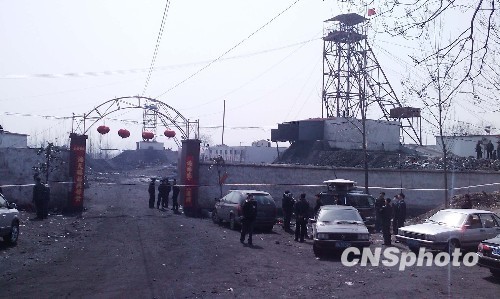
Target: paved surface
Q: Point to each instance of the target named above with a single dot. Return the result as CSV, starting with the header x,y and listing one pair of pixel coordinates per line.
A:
x,y
120,248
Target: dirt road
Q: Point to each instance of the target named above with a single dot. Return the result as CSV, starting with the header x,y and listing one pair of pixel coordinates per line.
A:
x,y
120,248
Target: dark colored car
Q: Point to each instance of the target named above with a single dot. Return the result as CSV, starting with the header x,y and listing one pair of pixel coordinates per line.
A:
x,y
229,209
343,192
489,255
337,227
9,221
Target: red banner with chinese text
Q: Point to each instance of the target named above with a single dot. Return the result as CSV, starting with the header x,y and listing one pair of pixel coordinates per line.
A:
x,y
77,169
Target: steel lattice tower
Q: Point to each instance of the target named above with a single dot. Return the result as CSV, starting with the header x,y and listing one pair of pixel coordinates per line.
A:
x,y
150,118
352,77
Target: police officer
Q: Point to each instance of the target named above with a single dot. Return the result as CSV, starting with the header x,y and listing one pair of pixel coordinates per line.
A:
x,y
386,213
249,210
152,191
287,205
301,210
39,198
379,203
401,210
396,214
175,194
162,194
318,205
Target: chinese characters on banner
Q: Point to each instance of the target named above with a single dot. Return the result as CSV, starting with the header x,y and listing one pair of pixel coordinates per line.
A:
x,y
77,169
188,199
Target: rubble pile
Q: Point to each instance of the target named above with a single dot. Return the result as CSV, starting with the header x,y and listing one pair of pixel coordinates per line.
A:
x,y
312,154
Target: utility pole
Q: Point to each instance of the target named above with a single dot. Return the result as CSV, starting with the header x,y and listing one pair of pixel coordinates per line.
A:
x,y
223,121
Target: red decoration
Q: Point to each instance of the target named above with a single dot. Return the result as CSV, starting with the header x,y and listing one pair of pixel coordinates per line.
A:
x,y
371,12
169,133
103,130
123,133
148,135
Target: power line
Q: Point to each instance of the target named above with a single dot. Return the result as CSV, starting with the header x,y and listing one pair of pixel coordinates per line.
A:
x,y
157,46
231,49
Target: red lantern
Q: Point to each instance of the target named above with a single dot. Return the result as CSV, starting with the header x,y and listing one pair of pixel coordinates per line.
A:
x,y
103,130
123,133
148,135
169,133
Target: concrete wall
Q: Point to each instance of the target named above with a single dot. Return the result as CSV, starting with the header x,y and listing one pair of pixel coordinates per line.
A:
x,y
16,176
345,133
13,140
275,179
242,154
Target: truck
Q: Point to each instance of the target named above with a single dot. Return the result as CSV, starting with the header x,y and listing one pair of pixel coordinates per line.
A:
x,y
345,192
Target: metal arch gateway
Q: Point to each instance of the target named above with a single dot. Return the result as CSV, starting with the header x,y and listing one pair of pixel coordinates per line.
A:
x,y
168,115
190,149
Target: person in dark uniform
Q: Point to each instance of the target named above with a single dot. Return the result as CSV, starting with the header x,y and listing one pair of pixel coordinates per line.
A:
x,y
162,193
318,205
467,203
39,198
301,210
379,203
386,213
168,188
249,210
489,150
175,194
152,191
287,205
401,211
395,214
479,150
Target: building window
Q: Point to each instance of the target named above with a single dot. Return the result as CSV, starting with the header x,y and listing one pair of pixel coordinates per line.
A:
x,y
231,152
225,152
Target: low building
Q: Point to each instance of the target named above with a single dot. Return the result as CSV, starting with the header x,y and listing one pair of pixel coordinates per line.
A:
x,y
150,145
259,152
465,145
13,140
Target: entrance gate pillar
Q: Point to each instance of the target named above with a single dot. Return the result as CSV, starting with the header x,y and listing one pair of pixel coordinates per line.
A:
x,y
77,171
189,174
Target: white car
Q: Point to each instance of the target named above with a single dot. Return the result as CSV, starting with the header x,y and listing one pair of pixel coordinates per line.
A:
x,y
451,228
337,227
9,221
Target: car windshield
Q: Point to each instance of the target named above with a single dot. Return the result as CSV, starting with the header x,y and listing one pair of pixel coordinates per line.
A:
x,y
361,201
448,218
339,215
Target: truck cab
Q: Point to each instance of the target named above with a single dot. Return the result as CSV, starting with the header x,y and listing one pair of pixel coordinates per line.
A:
x,y
345,192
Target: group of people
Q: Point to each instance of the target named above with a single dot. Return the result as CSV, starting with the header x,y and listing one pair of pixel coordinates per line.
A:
x,y
388,211
164,189
491,153
301,210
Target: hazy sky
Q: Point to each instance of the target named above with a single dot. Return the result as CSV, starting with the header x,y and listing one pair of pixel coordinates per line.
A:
x,y
271,77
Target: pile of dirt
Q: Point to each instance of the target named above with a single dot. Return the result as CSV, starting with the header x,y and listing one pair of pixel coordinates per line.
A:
x,y
480,200
132,159
320,154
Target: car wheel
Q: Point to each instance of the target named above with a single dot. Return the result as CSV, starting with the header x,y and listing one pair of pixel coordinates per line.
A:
x,y
215,217
232,223
495,272
452,245
12,237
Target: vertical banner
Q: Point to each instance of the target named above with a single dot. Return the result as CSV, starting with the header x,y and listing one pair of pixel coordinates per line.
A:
x,y
77,170
189,175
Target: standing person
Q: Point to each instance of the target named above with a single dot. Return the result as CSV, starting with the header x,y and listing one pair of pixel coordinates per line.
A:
x,y
287,206
395,214
318,205
175,194
467,203
386,213
379,203
301,213
168,188
489,150
249,210
162,193
39,197
494,155
152,191
479,150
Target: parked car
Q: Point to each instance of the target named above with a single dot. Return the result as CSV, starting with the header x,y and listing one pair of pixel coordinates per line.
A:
x,y
9,221
451,228
337,227
229,209
347,194
489,255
